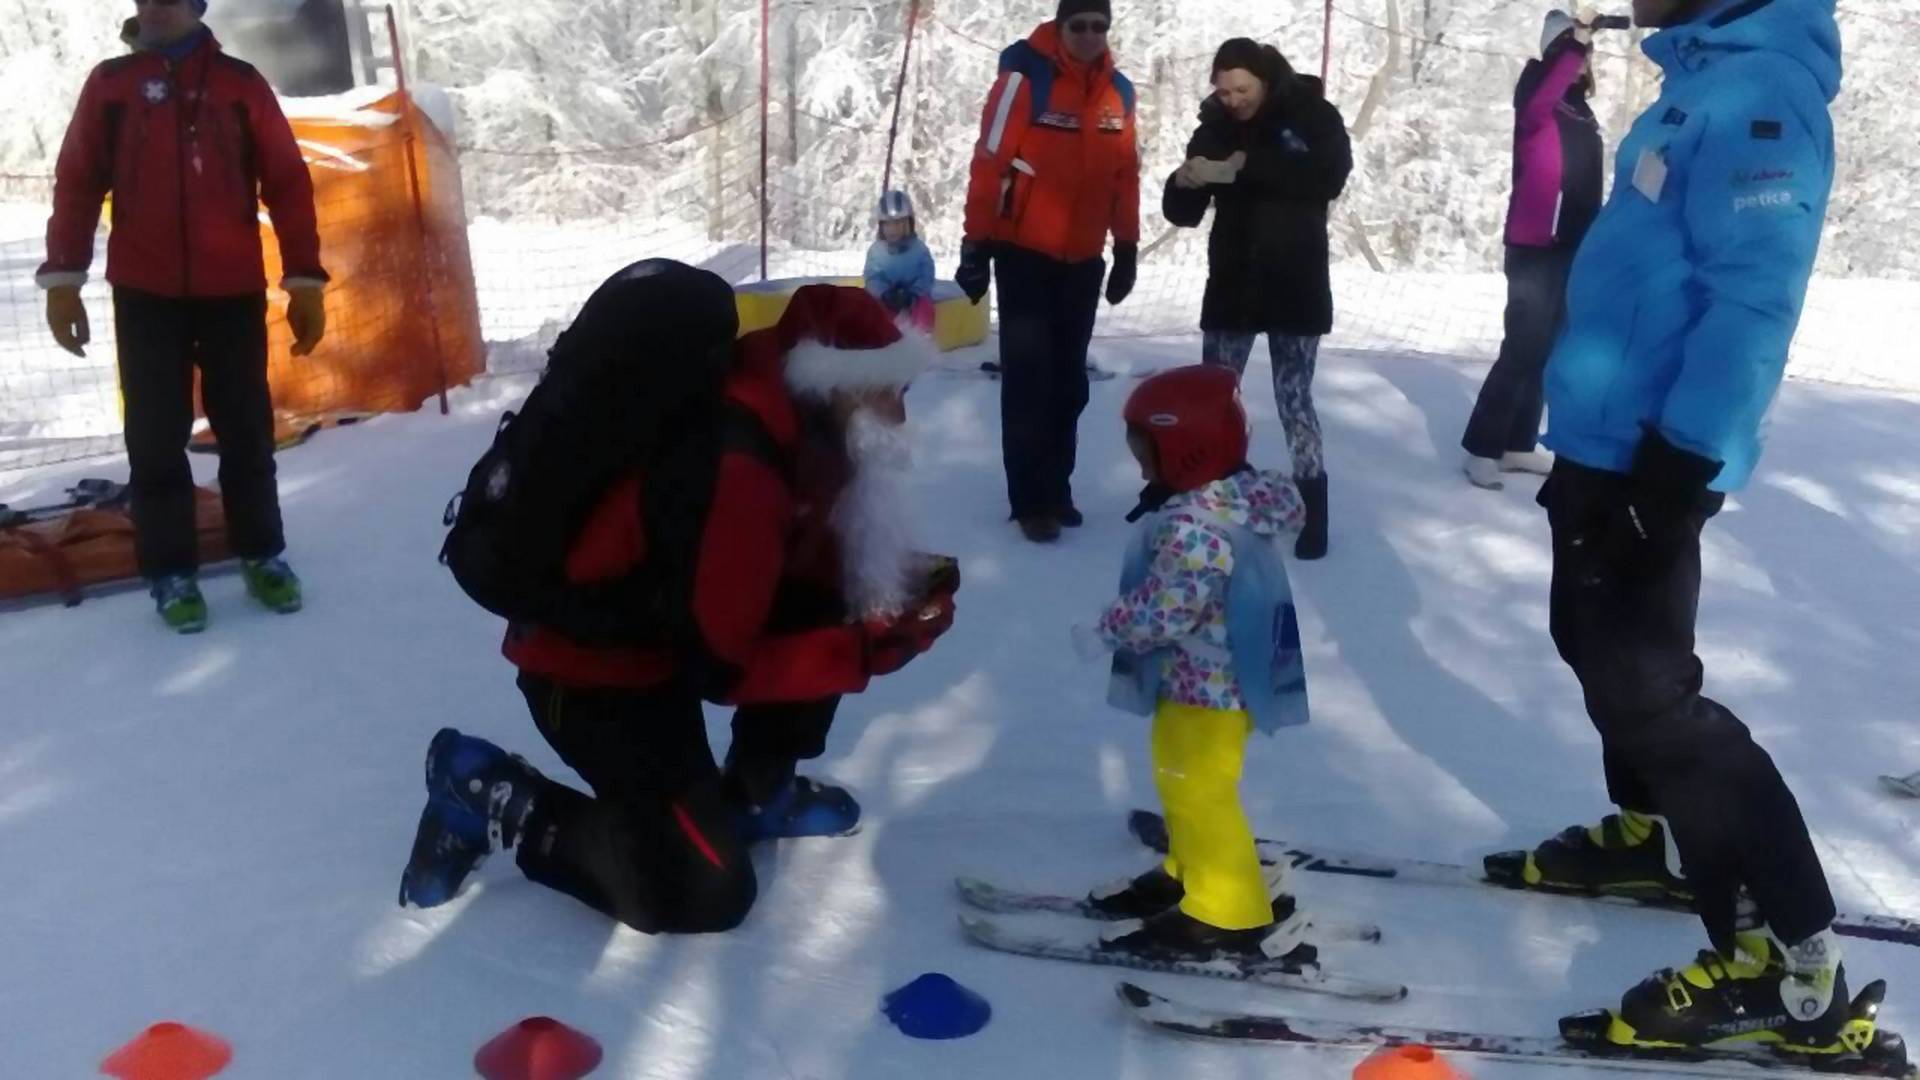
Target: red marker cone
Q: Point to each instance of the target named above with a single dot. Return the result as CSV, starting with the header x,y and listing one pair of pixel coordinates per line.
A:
x,y
169,1051
538,1048
1407,1063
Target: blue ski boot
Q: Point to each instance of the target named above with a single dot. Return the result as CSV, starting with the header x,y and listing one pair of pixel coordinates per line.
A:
x,y
478,800
777,803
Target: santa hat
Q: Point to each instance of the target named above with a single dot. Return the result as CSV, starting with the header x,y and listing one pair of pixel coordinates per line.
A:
x,y
837,337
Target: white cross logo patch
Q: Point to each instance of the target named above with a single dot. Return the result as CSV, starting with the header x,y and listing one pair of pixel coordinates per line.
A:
x,y
155,91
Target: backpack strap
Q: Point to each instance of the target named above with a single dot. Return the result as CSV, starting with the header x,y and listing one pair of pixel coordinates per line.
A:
x,y
741,431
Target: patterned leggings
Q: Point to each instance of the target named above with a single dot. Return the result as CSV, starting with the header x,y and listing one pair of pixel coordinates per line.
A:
x,y
1293,360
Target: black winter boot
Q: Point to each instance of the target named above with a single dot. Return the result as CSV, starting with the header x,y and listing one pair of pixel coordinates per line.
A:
x,y
1312,543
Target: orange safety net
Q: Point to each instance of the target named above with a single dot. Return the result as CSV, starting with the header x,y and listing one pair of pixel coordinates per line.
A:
x,y
403,321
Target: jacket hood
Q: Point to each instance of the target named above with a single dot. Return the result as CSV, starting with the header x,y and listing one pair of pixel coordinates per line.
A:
x,y
1803,31
1264,501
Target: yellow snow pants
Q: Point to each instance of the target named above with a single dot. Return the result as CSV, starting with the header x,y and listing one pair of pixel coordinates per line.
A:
x,y
1197,758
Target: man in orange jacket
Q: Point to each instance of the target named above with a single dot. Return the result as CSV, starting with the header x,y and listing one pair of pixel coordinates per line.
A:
x,y
1055,171
188,140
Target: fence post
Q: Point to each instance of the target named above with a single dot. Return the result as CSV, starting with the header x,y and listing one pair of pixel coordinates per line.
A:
x,y
419,206
765,68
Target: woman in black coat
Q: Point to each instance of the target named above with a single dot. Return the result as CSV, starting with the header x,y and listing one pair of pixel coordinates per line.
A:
x,y
1270,154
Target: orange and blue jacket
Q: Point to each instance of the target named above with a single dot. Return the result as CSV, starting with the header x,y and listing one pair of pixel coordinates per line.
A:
x,y
1057,166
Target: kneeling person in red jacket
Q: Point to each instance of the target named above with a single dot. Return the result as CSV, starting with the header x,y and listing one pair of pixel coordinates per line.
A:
x,y
189,141
804,587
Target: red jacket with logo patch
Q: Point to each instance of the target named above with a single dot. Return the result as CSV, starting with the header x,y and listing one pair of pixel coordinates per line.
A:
x,y
765,533
1057,178
189,150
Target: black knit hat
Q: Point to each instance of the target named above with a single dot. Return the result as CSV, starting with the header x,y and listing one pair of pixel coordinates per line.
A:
x,y
1070,8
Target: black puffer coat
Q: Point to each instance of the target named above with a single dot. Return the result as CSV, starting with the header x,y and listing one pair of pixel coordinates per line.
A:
x,y
1267,255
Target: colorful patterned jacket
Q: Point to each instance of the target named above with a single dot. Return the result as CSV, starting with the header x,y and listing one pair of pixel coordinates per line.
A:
x,y
1175,625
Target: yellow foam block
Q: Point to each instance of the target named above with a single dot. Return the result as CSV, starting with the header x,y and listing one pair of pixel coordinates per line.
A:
x,y
957,322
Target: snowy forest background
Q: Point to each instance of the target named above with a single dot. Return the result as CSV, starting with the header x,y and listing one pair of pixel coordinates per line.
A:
x,y
646,110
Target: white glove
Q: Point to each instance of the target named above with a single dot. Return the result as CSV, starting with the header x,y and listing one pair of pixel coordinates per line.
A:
x,y
1583,24
1208,171
1088,644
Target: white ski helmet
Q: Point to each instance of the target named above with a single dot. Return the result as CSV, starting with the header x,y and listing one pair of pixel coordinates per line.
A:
x,y
894,206
1555,24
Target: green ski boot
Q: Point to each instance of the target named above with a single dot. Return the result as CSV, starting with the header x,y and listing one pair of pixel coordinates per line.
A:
x,y
182,608
272,583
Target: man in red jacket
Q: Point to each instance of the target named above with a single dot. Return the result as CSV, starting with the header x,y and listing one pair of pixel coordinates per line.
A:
x,y
804,587
1056,170
189,141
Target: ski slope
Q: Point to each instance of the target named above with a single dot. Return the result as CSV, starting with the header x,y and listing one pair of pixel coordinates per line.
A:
x,y
210,829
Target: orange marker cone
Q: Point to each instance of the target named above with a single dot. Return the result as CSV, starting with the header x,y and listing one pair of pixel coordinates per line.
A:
x,y
1407,1063
169,1051
538,1048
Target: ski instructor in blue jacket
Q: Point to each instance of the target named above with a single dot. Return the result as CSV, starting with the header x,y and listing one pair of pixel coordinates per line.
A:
x,y
1681,304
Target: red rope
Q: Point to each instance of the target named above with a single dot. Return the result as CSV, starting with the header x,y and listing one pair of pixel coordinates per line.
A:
x,y
1325,41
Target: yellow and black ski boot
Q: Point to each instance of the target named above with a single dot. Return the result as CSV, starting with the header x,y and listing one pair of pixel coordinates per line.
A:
x,y
1794,999
1628,854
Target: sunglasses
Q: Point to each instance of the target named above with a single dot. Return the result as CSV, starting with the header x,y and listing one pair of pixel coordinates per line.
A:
x,y
1076,26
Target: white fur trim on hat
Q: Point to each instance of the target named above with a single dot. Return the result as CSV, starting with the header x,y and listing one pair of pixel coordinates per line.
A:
x,y
815,370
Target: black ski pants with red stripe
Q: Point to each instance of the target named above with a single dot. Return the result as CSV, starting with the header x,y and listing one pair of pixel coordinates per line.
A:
x,y
657,845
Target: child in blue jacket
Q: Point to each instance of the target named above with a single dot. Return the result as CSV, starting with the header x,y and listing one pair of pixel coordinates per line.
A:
x,y
899,266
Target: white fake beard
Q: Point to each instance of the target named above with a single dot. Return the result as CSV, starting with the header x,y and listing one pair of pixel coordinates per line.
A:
x,y
874,518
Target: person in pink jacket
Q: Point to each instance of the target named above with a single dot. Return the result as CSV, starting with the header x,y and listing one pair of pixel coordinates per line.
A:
x,y
1558,181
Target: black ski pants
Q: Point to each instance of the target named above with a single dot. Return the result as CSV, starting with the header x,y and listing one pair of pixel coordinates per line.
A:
x,y
657,845
1047,309
162,340
1669,749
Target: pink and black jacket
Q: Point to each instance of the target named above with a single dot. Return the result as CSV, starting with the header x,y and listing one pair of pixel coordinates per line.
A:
x,y
1558,162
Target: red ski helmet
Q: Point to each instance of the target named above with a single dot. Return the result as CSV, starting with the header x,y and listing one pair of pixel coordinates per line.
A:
x,y
1193,419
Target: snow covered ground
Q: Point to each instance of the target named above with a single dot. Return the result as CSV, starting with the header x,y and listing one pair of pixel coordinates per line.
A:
x,y
211,829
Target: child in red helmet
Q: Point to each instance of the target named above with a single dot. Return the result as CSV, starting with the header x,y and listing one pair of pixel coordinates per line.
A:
x,y
1205,641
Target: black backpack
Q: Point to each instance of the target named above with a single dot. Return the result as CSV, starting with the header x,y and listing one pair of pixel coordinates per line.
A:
x,y
636,382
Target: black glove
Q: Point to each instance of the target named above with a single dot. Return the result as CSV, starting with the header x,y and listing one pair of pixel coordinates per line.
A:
x,y
974,273
897,299
1126,259
1654,520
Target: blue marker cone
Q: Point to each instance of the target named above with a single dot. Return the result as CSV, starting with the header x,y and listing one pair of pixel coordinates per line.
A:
x,y
933,1006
